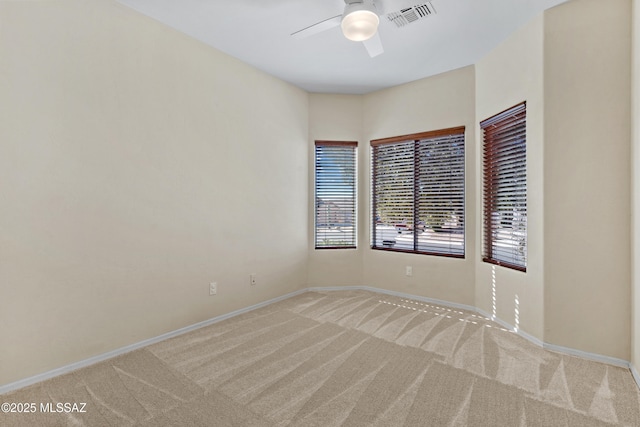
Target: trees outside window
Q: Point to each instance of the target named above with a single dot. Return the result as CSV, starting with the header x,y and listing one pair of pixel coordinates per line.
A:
x,y
418,191
335,194
505,188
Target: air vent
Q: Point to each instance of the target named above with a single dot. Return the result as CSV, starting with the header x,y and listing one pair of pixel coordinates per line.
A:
x,y
411,14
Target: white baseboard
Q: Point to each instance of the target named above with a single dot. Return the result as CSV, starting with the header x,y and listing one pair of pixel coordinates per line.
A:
x,y
558,349
586,355
108,355
126,349
635,374
537,341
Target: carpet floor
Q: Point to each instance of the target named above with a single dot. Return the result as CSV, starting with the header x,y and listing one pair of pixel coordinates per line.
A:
x,y
339,358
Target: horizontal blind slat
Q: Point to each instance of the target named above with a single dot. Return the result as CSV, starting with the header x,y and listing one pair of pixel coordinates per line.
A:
x,y
504,188
335,195
421,182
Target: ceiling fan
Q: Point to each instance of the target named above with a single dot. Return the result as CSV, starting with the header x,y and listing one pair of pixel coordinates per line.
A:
x,y
360,19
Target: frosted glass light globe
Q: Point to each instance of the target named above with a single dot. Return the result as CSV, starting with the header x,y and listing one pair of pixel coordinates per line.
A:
x,y
358,23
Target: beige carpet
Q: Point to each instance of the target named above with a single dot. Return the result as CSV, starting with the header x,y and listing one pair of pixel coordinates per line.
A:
x,y
351,358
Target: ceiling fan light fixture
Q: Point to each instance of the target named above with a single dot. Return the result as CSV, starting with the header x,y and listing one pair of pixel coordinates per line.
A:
x,y
359,22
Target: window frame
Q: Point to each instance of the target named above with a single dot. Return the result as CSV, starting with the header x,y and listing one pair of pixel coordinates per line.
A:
x,y
498,151
351,146
416,138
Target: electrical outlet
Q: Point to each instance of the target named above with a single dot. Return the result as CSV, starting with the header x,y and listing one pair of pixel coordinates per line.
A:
x,y
252,279
408,271
213,288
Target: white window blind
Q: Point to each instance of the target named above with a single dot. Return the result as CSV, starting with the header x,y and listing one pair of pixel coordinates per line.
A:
x,y
335,194
505,188
418,193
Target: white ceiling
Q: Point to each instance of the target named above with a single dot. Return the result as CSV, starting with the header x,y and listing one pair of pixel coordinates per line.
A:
x,y
258,32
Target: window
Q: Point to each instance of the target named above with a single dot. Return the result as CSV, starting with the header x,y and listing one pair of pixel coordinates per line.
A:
x,y
418,193
505,188
335,195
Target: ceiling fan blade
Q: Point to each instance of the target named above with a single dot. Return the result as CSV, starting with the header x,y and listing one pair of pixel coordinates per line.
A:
x,y
319,27
374,45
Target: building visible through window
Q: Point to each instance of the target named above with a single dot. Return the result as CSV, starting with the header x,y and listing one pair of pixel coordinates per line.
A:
x,y
505,188
335,194
418,190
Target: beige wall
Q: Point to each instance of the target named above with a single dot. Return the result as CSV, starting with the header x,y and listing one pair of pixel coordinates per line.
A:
x,y
136,166
438,102
510,74
587,176
635,183
119,136
337,118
